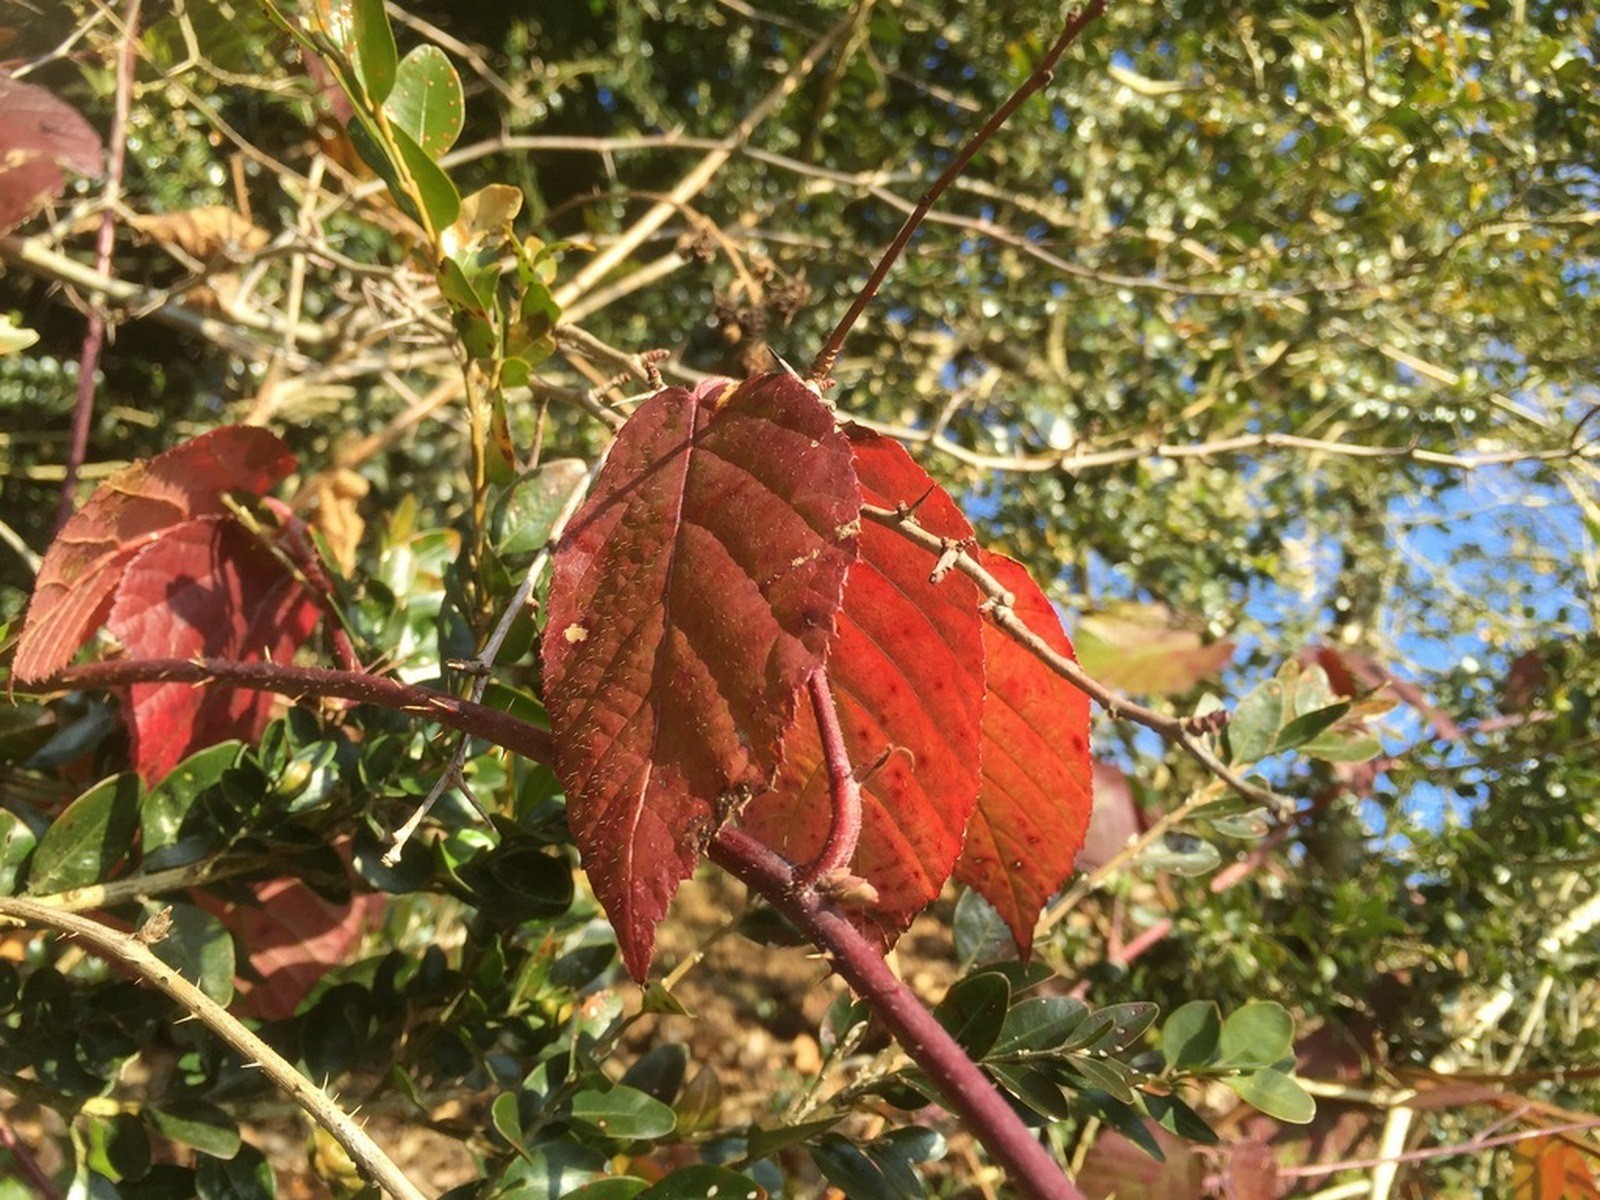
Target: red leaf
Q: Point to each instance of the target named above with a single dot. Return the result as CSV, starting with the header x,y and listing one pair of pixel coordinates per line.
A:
x,y
907,677
691,598
1033,808
292,937
38,137
127,512
206,588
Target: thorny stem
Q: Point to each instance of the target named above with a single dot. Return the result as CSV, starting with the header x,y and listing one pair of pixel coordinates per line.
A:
x,y
501,728
1174,729
132,952
844,831
94,336
1041,76
967,1091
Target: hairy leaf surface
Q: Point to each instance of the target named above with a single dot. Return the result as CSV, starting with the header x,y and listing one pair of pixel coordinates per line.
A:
x,y
205,588
691,598
127,512
907,678
1033,808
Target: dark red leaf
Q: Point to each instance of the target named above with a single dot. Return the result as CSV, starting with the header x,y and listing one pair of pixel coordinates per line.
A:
x,y
907,677
127,512
1033,807
206,588
38,137
1115,820
691,598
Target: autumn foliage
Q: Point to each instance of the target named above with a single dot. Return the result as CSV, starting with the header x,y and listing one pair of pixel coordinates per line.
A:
x,y
721,560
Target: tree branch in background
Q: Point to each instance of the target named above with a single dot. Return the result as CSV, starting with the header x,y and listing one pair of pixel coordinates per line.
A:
x,y
95,336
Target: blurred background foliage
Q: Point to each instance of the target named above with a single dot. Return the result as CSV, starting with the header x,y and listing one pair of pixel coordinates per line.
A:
x,y
1269,322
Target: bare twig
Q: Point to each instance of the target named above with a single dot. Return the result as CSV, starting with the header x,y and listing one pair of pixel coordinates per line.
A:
x,y
822,365
94,336
691,184
128,951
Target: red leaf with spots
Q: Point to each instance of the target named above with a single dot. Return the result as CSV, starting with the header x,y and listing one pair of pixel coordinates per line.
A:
x,y
1033,808
206,588
907,678
691,598
85,564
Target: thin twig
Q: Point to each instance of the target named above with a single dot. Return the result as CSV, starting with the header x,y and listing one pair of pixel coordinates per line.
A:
x,y
822,365
94,336
695,181
128,951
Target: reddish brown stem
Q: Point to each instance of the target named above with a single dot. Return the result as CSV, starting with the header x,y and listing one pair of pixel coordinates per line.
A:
x,y
822,365
966,1090
302,552
94,336
845,830
477,719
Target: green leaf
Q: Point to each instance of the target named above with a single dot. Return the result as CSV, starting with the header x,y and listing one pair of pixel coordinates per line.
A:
x,y
1176,1117
16,844
89,839
197,1123
165,810
848,1168
426,102
1308,725
623,1188
1033,1088
1190,1036
245,1176
1343,748
1181,854
196,946
506,1118
375,49
763,1143
439,196
1276,1094
981,933
699,1107
624,1113
1261,1034
1039,1023
1128,1021
528,511
1255,724
660,1072
698,1182
973,1011
119,1147
1103,1074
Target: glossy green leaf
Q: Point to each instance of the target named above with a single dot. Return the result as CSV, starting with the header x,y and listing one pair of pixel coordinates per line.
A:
x,y
16,844
1189,1038
1341,748
659,1072
1033,1088
505,1117
87,841
375,49
1039,1023
1276,1094
624,1113
981,934
852,1172
426,102
701,1181
1177,1118
622,1188
973,1011
197,1123
165,808
1261,1034
245,1176
1103,1074
197,946
763,1143
699,1106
